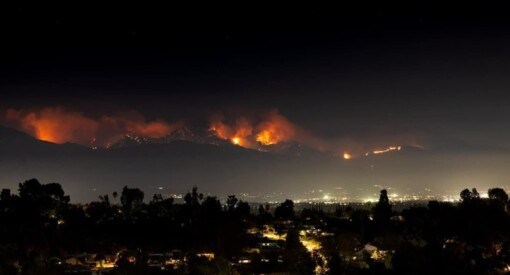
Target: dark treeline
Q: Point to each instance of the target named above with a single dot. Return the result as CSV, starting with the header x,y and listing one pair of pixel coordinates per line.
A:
x,y
40,228
40,222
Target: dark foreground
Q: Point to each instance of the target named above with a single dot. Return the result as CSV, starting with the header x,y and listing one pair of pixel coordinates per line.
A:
x,y
42,233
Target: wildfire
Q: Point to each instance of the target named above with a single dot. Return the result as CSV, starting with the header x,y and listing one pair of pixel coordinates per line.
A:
x,y
265,138
221,130
389,149
271,128
236,140
254,130
58,125
347,155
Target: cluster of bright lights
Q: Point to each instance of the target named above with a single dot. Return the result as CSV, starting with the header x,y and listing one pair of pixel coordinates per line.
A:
x,y
270,233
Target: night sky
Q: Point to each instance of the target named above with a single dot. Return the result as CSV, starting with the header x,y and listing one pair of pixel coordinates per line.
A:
x,y
370,76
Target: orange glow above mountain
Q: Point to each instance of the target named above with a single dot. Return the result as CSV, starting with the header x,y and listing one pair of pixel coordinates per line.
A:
x,y
389,149
44,135
274,129
265,137
259,130
59,125
268,129
236,141
220,130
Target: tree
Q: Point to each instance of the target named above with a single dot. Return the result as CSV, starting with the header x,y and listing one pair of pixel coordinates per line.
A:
x,y
382,210
157,198
498,194
231,203
264,216
296,257
285,210
193,198
33,190
465,195
99,211
55,191
131,198
383,198
5,194
30,190
211,205
262,210
243,209
238,207
160,207
46,199
104,199
475,193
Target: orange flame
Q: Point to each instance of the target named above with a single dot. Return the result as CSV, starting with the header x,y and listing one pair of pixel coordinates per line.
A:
x,y
270,129
254,130
237,134
266,138
55,124
347,156
389,149
275,129
236,140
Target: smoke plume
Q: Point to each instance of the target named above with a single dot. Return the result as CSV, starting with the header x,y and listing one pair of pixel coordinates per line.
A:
x,y
58,125
250,129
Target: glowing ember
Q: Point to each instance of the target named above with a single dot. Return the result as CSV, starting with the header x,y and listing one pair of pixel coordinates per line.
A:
x,y
347,155
236,140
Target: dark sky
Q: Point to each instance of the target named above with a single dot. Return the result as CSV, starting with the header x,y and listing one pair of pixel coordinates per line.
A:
x,y
367,75
439,71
